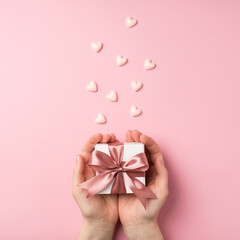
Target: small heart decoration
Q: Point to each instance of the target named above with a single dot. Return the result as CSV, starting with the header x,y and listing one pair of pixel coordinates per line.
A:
x,y
100,119
148,64
120,60
97,46
135,111
112,96
131,22
92,86
136,86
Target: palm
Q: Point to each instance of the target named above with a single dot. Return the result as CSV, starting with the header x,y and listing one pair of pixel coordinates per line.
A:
x,y
129,207
97,207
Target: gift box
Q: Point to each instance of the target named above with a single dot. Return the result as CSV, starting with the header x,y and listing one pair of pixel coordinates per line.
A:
x,y
120,169
129,150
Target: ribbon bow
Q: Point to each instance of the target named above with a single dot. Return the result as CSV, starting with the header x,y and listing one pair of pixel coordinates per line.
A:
x,y
111,167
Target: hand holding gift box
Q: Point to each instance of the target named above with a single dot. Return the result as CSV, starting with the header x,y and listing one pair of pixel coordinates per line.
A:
x,y
101,211
120,169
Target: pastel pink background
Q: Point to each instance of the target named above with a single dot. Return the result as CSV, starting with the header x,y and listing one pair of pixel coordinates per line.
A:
x,y
190,106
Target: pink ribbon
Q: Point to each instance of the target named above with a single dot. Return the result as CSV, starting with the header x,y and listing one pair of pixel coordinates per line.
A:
x,y
109,167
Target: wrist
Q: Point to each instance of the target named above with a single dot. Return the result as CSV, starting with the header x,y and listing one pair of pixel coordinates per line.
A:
x,y
140,231
96,230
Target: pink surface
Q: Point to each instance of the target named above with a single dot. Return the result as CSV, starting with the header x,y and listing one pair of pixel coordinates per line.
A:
x,y
190,105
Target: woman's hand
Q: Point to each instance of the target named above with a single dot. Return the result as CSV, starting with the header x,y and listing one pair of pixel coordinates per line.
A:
x,y
137,222
100,212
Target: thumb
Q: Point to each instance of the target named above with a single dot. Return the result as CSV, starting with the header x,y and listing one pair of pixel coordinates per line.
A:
x,y
78,171
161,182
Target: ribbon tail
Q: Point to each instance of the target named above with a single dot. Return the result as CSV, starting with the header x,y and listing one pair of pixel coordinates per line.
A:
x,y
97,183
139,189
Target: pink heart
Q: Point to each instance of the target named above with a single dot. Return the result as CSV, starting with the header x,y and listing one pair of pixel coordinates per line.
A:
x,y
100,119
148,64
97,46
135,111
120,60
112,96
131,22
92,86
136,86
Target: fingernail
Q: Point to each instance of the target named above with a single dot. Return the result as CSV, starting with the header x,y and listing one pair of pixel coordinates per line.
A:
x,y
161,160
77,158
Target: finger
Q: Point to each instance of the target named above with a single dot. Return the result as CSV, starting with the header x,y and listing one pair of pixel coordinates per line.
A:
x,y
151,146
90,144
136,135
112,137
129,137
78,176
117,140
105,138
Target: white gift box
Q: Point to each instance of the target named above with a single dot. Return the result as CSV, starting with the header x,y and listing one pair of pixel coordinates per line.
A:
x,y
130,149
